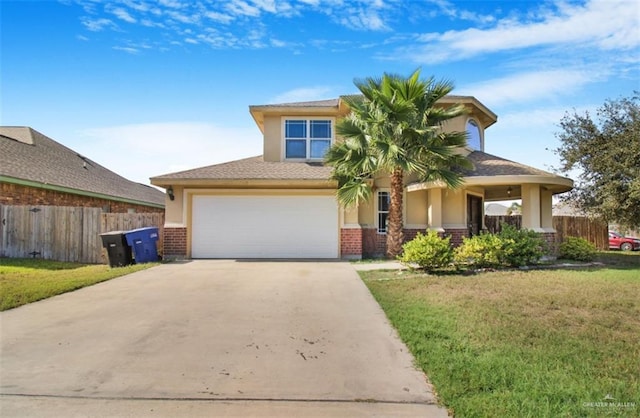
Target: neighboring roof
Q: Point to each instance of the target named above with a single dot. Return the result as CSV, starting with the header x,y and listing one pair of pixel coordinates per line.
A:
x,y
31,158
253,168
491,165
567,209
495,209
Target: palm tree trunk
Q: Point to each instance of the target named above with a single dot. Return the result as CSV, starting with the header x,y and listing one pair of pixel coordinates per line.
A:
x,y
395,227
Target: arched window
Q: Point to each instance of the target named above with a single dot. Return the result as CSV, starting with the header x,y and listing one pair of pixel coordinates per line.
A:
x,y
474,138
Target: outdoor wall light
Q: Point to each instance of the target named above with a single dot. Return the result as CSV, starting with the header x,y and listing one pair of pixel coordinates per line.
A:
x,y
170,193
508,191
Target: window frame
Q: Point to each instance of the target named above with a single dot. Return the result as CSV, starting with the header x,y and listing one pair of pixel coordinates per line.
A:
x,y
308,139
475,122
381,229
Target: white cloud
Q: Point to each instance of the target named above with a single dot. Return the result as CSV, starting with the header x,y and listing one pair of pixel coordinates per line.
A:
x,y
96,25
171,3
451,10
605,24
127,49
218,17
242,8
138,6
122,14
527,86
362,19
140,151
266,5
303,94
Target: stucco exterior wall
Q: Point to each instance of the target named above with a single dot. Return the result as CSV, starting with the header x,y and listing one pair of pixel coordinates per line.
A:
x,y
416,209
272,138
453,208
174,212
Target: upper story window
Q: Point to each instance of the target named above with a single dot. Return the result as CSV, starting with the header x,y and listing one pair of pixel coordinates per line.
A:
x,y
307,139
474,137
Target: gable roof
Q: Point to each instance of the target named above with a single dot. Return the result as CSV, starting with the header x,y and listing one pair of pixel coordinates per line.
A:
x,y
253,168
338,106
30,158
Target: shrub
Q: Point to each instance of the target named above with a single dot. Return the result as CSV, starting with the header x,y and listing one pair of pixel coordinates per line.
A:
x,y
579,249
482,250
428,251
520,247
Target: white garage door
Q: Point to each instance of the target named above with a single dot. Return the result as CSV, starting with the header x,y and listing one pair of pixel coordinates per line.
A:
x,y
264,227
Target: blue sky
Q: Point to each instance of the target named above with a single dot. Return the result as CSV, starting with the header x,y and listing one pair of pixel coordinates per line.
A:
x,y
150,87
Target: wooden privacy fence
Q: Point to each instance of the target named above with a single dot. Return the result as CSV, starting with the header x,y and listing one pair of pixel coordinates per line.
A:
x,y
592,230
65,233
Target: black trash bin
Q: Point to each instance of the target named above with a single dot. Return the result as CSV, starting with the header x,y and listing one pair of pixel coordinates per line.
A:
x,y
143,241
119,251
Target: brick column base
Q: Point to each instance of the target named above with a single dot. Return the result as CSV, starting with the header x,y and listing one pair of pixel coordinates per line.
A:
x,y
175,243
456,234
351,243
552,244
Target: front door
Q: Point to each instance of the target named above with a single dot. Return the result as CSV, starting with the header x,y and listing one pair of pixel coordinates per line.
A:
x,y
474,215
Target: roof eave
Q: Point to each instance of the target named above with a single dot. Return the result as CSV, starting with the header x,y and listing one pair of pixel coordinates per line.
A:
x,y
556,184
246,183
53,187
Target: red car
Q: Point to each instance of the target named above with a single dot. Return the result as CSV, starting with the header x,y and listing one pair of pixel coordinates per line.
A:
x,y
619,242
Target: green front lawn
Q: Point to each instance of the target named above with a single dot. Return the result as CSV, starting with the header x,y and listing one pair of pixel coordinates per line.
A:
x,y
24,281
545,343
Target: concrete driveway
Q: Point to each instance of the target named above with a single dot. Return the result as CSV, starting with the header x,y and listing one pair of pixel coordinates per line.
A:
x,y
211,338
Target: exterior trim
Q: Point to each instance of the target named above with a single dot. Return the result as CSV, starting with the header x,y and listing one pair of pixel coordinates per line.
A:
x,y
562,184
249,184
78,192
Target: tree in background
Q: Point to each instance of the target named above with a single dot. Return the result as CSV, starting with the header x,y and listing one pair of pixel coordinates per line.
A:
x,y
606,151
514,209
395,128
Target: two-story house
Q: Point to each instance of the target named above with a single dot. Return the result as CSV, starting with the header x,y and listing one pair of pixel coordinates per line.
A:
x,y
282,204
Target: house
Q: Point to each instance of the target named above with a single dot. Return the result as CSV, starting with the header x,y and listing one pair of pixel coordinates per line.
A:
x,y
495,209
36,170
282,204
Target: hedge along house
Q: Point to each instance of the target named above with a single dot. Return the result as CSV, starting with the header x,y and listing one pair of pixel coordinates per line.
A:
x,y
282,204
36,170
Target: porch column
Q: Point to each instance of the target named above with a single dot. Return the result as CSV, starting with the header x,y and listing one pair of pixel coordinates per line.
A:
x,y
350,234
434,210
546,210
531,207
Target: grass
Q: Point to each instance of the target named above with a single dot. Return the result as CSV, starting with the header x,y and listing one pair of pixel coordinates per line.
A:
x,y
540,343
24,281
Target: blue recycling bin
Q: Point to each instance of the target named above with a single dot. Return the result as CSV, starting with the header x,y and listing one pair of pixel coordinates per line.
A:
x,y
143,241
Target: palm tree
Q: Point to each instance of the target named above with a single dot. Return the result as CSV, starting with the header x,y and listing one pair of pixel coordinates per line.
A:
x,y
395,127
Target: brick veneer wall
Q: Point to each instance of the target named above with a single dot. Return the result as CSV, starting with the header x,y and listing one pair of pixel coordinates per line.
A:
x,y
14,194
375,245
351,243
552,242
175,243
456,234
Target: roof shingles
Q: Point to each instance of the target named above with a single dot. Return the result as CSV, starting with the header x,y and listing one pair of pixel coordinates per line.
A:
x,y
254,168
48,162
491,165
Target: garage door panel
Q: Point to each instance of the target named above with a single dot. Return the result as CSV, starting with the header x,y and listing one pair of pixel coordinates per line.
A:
x,y
264,227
